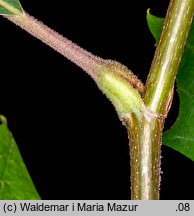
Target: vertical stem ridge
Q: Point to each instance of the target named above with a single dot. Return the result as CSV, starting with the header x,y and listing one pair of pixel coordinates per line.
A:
x,y
144,157
145,137
168,55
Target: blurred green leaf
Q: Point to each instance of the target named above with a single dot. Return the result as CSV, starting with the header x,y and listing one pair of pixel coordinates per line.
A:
x,y
15,182
181,135
10,7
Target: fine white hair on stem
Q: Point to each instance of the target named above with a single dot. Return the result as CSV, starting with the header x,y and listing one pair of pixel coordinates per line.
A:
x,y
82,58
90,63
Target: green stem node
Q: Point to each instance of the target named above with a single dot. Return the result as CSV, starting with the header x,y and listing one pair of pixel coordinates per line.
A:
x,y
145,137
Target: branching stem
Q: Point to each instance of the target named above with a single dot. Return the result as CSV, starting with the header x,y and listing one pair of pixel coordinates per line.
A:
x,y
145,137
144,121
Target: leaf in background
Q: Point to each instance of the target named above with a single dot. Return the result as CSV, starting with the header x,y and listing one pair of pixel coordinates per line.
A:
x,y
15,182
10,7
155,25
181,135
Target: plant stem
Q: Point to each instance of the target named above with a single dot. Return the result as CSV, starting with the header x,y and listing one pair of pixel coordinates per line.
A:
x,y
144,156
90,63
145,137
144,129
84,59
168,55
112,78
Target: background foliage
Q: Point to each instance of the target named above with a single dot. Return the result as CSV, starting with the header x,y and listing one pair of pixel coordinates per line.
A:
x,y
73,144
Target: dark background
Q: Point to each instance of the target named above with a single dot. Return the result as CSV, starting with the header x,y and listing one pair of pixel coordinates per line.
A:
x,y
68,133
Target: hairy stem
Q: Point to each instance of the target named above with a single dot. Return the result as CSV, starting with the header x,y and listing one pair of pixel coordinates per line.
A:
x,y
90,63
118,83
145,156
145,137
144,121
68,49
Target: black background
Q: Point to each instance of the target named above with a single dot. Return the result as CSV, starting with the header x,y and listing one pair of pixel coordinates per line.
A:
x,y
68,133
